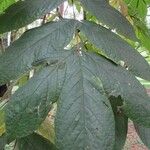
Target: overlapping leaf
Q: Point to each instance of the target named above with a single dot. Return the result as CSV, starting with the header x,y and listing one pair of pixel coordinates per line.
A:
x,y
30,105
110,16
24,12
116,48
35,46
84,118
48,49
144,134
121,123
118,81
35,142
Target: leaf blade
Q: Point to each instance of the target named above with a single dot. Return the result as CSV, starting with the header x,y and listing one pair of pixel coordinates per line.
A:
x,y
24,12
30,105
84,117
116,48
136,101
121,123
144,134
109,16
30,48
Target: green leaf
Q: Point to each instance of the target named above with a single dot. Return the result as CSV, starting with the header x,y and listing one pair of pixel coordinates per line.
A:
x,y
139,7
144,38
34,47
121,123
24,12
84,117
29,106
116,49
147,1
5,3
35,142
144,134
143,32
137,108
110,16
119,82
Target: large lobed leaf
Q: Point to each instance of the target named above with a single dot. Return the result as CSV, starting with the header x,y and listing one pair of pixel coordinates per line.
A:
x,y
79,103
79,122
81,81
